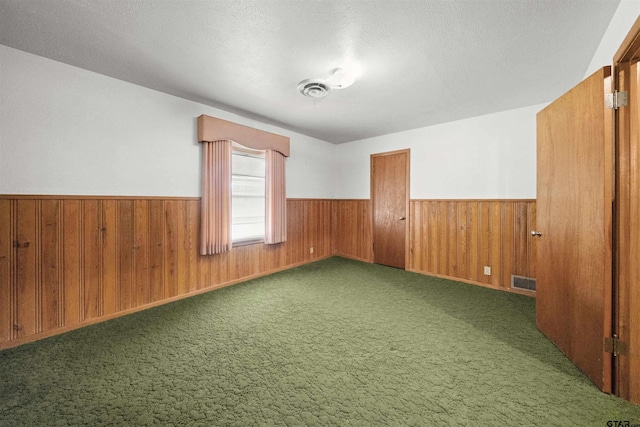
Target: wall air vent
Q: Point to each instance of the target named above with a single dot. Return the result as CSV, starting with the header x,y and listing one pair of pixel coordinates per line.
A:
x,y
523,283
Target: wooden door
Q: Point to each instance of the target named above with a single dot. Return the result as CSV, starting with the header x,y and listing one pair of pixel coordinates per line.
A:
x,y
574,217
390,205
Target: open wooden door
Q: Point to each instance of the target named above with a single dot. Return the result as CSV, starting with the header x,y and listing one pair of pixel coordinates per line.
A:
x,y
574,220
390,205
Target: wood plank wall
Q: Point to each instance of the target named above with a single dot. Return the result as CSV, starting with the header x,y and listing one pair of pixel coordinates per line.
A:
x,y
457,238
71,261
352,229
451,238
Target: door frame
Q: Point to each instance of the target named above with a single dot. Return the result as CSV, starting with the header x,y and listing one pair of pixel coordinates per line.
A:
x,y
407,151
626,293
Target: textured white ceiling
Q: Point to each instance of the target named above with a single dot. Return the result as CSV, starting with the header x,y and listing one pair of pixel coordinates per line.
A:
x,y
423,62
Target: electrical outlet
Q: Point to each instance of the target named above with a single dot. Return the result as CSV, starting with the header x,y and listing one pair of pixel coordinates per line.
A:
x,y
487,270
311,250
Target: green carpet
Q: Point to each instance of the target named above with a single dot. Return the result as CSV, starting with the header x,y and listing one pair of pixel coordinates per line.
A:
x,y
337,342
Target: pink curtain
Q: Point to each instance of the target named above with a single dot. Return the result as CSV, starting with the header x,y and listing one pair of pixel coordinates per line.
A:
x,y
215,205
276,201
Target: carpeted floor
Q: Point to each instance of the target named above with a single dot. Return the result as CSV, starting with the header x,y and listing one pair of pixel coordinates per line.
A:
x,y
337,342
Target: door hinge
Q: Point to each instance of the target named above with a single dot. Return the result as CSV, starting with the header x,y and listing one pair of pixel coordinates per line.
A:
x,y
615,346
616,99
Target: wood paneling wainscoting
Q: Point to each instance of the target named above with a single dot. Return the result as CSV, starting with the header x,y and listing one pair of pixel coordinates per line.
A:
x,y
451,238
458,238
67,262
70,261
352,236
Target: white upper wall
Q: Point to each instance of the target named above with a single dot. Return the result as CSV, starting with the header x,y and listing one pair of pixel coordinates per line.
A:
x,y
65,130
491,156
622,21
69,131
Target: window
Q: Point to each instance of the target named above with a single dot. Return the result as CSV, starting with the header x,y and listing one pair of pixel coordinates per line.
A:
x,y
247,194
258,212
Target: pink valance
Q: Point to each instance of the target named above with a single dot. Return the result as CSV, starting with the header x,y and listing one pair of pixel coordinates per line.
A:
x,y
213,129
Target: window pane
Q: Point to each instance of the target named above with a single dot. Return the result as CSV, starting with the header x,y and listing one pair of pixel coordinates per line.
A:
x,y
247,197
247,186
247,165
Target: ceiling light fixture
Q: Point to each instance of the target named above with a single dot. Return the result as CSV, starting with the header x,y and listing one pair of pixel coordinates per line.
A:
x,y
340,79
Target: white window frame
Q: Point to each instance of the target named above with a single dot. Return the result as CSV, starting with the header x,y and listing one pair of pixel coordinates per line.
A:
x,y
239,150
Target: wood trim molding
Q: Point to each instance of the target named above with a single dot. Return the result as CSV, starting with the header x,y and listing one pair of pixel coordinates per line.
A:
x,y
307,198
629,50
407,212
356,258
473,200
391,153
79,197
473,282
627,232
214,129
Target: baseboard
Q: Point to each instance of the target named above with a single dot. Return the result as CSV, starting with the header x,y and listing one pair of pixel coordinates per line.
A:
x,y
354,258
473,282
457,279
31,338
